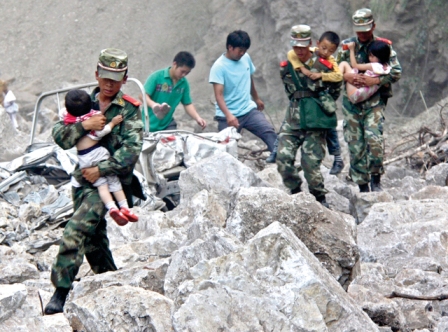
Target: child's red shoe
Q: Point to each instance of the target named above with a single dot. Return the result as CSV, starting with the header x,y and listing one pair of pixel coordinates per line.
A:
x,y
119,217
131,216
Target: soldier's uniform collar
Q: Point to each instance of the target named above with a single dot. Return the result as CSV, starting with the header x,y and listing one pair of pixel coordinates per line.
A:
x,y
118,100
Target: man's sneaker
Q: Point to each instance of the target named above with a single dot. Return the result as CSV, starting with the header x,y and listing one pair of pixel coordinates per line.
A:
x,y
323,201
119,217
337,168
375,183
364,188
57,301
272,157
160,110
132,217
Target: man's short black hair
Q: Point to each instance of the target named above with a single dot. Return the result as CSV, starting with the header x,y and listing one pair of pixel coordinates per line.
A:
x,y
381,50
331,36
185,59
78,102
238,38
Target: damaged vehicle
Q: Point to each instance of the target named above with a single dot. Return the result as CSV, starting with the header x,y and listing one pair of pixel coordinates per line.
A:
x,y
164,156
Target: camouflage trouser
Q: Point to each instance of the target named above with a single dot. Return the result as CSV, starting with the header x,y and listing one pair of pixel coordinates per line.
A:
x,y
84,234
363,132
312,143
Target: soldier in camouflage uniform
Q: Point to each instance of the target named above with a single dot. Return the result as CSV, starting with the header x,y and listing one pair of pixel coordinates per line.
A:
x,y
310,114
85,233
363,122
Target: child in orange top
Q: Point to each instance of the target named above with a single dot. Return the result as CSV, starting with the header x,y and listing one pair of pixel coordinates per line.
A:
x,y
326,46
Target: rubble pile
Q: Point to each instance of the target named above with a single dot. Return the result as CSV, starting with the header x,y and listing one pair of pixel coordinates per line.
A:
x,y
239,253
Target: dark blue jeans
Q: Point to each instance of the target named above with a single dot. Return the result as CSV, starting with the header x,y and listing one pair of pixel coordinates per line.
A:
x,y
256,123
333,142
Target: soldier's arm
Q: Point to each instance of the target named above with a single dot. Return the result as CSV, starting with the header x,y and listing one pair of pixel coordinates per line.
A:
x,y
285,76
122,162
335,75
66,136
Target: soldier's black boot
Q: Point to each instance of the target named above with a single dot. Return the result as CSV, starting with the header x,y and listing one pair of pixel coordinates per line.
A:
x,y
323,201
338,166
364,188
296,190
375,182
57,301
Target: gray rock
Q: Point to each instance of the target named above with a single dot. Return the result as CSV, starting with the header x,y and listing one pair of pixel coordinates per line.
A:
x,y
11,298
124,308
274,283
148,276
437,175
221,174
361,203
326,233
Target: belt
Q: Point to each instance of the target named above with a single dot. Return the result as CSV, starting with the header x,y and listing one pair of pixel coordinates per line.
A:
x,y
86,151
304,94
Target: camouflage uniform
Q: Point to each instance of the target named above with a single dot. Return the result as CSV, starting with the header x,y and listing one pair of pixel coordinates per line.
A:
x,y
306,122
363,122
85,233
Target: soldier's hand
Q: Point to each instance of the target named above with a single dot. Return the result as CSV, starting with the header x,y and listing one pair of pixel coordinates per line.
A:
x,y
96,122
369,81
350,78
91,174
233,121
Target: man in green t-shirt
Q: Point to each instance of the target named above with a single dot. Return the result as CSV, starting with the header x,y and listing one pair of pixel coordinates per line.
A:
x,y
165,89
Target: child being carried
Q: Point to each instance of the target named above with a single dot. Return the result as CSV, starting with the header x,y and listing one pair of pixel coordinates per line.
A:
x,y
79,108
379,55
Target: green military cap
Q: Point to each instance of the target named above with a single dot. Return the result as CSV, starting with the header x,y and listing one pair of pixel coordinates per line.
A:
x,y
112,64
300,35
362,20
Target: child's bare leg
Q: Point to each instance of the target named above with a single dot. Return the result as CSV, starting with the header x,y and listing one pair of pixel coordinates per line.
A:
x,y
105,195
345,67
124,207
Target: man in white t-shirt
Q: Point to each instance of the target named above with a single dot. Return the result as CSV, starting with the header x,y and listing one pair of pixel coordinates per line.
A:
x,y
237,100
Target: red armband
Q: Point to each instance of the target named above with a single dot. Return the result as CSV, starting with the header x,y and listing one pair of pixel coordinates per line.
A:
x,y
283,63
326,63
133,101
387,41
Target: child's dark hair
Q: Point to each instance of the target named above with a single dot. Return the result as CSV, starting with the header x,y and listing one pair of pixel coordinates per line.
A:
x,y
78,102
238,38
381,50
331,36
185,59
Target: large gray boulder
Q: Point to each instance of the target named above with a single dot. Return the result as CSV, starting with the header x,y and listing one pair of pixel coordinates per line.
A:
x,y
222,175
329,235
272,284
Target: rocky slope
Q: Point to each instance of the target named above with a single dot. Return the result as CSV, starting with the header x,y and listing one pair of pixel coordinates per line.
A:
x,y
51,44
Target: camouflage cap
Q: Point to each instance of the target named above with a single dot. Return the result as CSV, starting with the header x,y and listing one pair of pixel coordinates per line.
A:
x,y
300,36
362,20
112,64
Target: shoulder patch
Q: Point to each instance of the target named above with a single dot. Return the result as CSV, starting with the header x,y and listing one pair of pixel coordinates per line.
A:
x,y
283,63
326,63
387,41
133,101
